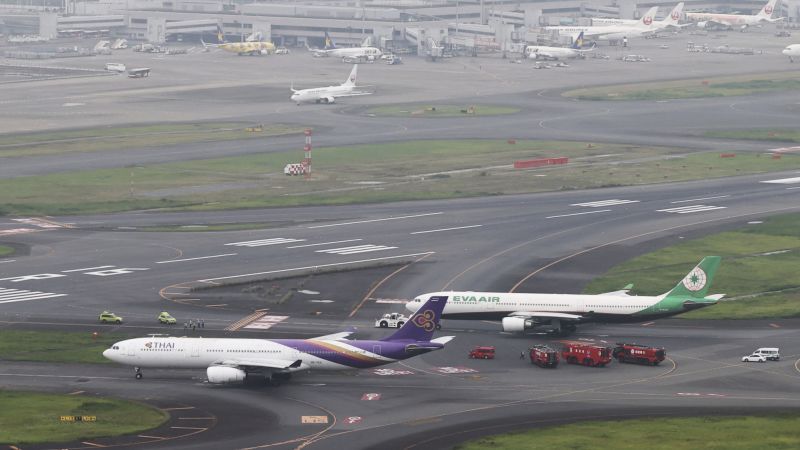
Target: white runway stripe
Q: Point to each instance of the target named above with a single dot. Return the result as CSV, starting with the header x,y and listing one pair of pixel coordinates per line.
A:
x,y
355,249
784,181
19,295
690,209
263,242
601,203
578,214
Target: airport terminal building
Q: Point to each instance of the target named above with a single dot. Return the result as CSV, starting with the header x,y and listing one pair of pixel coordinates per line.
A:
x,y
390,24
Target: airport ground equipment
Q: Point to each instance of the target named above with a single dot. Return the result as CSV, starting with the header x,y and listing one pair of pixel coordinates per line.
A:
x,y
544,356
482,352
586,354
109,317
638,354
166,318
391,320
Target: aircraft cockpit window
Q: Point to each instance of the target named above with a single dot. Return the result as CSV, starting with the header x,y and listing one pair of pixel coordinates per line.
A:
x,y
115,347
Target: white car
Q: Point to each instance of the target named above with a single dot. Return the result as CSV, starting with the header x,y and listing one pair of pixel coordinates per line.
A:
x,y
392,320
754,358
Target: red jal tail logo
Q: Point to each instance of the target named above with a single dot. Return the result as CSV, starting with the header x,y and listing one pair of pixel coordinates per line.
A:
x,y
353,79
768,9
648,20
425,320
676,15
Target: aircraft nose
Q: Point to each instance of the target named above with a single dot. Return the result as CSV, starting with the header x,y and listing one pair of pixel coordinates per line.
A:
x,y
107,353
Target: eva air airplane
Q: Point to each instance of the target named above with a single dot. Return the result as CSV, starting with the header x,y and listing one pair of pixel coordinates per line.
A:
x,y
563,312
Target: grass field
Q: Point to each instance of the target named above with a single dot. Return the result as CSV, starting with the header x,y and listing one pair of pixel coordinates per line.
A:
x,y
710,433
777,134
432,111
56,346
119,138
32,418
758,272
6,250
693,88
368,173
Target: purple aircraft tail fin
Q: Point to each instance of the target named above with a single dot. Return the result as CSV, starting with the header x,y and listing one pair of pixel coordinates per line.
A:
x,y
421,325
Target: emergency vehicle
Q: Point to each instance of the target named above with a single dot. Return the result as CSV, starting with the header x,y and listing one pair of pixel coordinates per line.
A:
x,y
392,320
586,354
639,354
482,352
544,356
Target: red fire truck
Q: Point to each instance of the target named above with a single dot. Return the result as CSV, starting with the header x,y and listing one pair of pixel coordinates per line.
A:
x,y
586,354
640,354
544,356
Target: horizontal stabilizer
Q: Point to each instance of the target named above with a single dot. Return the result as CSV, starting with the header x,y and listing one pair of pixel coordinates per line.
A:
x,y
715,297
443,340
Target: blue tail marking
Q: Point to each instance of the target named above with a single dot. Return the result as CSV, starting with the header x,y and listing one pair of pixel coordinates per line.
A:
x,y
421,325
578,44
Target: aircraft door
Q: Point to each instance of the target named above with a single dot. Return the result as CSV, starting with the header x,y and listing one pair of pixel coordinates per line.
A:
x,y
195,350
376,349
580,306
130,349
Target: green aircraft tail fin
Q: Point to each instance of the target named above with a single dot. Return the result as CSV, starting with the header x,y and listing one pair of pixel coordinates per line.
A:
x,y
697,282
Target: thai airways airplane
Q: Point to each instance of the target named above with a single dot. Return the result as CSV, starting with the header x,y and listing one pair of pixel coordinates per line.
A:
x,y
704,20
364,52
563,312
328,94
229,360
546,52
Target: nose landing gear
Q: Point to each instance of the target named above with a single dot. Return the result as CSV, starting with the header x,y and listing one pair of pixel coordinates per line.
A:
x,y
138,373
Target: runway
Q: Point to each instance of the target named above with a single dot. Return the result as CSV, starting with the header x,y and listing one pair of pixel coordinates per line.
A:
x,y
345,265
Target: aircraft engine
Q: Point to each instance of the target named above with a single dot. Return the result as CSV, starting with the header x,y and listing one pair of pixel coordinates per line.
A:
x,y
223,374
516,324
328,100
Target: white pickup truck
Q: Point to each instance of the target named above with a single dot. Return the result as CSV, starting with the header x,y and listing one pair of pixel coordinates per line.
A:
x,y
392,320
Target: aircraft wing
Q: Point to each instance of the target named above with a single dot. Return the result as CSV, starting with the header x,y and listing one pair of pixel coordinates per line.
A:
x,y
546,315
336,336
354,93
622,292
265,363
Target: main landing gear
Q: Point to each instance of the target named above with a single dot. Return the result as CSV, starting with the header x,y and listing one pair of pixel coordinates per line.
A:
x,y
138,373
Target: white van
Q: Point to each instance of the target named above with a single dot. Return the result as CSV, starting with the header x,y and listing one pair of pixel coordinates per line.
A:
x,y
115,67
771,353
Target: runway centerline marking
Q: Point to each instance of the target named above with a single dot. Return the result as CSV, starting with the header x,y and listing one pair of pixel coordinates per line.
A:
x,y
578,214
86,268
446,229
325,243
700,199
375,220
210,280
197,258
7,261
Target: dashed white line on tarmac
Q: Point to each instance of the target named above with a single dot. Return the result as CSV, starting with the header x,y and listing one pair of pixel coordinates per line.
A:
x,y
197,258
446,229
375,220
86,268
578,214
325,243
700,199
7,261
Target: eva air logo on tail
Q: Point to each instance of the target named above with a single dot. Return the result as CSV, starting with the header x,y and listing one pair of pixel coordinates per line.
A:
x,y
695,280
